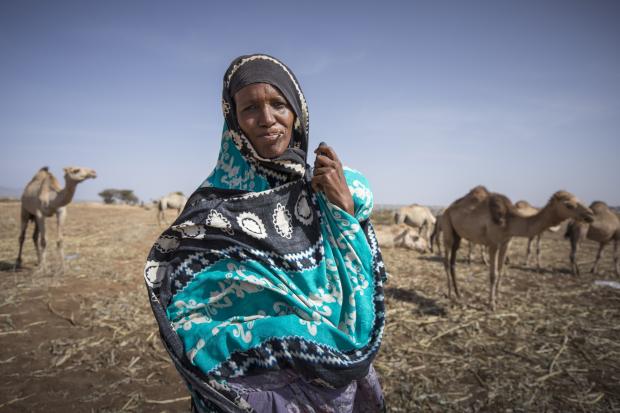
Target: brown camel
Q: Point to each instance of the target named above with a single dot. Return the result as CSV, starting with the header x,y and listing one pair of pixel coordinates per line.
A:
x,y
604,229
435,240
174,200
42,198
526,209
492,220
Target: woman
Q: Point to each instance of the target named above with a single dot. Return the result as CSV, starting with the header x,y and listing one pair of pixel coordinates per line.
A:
x,y
268,288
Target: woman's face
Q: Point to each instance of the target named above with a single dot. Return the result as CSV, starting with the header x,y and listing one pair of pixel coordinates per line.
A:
x,y
265,117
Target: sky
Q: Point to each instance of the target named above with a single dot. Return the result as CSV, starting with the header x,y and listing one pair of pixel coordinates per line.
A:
x,y
427,98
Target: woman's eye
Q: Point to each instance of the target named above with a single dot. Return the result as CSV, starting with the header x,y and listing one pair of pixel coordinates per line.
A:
x,y
249,108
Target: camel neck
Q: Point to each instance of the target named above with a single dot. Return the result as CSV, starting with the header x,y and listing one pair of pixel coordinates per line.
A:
x,y
533,225
65,195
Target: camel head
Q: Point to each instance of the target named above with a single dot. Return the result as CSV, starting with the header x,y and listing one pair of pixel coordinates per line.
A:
x,y
78,174
568,206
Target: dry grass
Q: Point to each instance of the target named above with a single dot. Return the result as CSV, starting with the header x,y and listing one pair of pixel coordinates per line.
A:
x,y
85,340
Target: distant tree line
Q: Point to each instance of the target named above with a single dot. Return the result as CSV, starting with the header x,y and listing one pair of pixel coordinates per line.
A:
x,y
119,196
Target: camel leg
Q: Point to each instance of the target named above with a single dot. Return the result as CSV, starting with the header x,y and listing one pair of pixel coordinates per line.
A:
x,y
451,246
573,255
527,252
616,264
501,268
455,247
470,252
599,254
493,252
428,231
25,217
446,262
40,240
437,234
61,214
483,256
434,240
538,252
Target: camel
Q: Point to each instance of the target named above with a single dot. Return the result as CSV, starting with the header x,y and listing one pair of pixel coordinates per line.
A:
x,y
42,198
491,219
416,216
399,236
526,209
435,240
174,200
604,229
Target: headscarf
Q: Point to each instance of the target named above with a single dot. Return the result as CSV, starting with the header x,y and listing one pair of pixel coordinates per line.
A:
x,y
259,272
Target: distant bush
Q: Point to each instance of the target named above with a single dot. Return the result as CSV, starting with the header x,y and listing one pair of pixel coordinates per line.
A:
x,y
119,196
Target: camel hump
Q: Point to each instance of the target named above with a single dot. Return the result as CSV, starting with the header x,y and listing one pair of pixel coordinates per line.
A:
x,y
44,169
599,206
562,196
522,204
178,193
501,208
476,196
50,180
479,192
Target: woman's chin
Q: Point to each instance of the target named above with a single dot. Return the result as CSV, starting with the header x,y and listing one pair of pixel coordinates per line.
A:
x,y
271,151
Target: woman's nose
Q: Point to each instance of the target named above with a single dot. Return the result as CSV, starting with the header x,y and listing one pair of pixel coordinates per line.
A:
x,y
266,116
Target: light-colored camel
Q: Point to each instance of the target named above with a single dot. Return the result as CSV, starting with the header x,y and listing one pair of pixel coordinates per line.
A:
x,y
400,236
492,220
174,200
604,229
527,210
42,198
417,216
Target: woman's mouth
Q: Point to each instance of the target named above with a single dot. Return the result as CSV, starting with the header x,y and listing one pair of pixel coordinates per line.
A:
x,y
272,136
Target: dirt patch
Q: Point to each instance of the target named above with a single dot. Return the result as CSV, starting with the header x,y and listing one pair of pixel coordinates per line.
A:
x,y
85,339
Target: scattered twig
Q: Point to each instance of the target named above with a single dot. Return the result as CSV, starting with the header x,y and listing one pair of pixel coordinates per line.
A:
x,y
180,399
562,347
56,313
17,399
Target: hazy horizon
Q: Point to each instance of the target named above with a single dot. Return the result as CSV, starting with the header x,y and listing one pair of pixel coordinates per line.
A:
x,y
427,99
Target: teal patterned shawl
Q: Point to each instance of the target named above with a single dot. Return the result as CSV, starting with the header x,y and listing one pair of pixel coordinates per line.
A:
x,y
260,272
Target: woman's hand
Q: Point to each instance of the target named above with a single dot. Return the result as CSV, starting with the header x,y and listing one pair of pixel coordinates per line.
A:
x,y
329,178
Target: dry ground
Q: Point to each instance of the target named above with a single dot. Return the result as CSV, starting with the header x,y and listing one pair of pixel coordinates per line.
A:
x,y
85,340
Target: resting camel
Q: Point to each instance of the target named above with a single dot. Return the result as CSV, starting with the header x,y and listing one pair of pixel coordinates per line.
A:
x,y
174,200
604,229
526,209
42,198
399,236
492,220
416,216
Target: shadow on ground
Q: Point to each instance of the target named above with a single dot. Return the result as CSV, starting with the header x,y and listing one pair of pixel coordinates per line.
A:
x,y
425,305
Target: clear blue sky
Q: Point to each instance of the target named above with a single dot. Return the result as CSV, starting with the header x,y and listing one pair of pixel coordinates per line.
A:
x,y
427,98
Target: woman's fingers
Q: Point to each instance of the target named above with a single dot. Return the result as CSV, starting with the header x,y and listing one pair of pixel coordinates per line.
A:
x,y
324,170
327,151
322,160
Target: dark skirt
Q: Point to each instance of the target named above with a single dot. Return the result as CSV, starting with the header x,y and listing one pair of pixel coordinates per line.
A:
x,y
285,391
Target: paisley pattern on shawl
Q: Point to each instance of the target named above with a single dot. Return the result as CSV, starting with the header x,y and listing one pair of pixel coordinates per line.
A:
x,y
260,273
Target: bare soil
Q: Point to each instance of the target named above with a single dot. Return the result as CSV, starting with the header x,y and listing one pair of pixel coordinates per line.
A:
x,y
84,339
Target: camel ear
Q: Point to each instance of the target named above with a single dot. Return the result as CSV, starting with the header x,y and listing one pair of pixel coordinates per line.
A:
x,y
66,169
